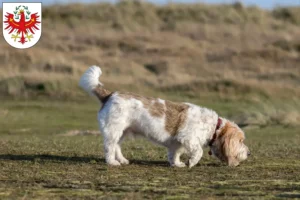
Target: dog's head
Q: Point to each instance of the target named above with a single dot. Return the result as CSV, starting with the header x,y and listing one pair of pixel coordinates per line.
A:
x,y
229,145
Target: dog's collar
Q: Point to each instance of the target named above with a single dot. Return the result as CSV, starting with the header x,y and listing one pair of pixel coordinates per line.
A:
x,y
215,133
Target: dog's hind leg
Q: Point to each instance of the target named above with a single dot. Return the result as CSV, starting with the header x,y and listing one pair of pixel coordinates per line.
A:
x,y
110,152
120,157
113,154
112,126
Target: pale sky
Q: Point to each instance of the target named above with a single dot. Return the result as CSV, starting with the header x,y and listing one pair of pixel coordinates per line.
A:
x,y
268,4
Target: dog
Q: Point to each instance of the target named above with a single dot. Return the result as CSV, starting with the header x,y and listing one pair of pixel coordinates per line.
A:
x,y
180,127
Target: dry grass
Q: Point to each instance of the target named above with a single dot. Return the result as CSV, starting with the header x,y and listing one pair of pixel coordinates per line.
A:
x,y
191,52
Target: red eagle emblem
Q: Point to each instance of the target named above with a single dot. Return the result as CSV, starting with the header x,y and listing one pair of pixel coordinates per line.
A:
x,y
23,26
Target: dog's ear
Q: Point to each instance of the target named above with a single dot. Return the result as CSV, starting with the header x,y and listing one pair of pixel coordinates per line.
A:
x,y
229,148
228,139
225,143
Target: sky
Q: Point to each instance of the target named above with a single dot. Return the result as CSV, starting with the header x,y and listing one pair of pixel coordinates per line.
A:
x,y
267,4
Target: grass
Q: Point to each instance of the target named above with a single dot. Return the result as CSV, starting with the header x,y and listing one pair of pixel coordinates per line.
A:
x,y
39,162
241,61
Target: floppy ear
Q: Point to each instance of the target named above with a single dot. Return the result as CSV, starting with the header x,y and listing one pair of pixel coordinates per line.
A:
x,y
228,144
225,142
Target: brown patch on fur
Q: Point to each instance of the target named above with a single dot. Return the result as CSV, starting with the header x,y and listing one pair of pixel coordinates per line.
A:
x,y
102,93
176,113
155,108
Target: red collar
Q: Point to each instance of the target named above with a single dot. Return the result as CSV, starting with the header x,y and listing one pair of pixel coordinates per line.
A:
x,y
215,133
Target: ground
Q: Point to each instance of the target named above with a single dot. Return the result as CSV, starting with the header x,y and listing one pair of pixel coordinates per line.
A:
x,y
243,62
41,158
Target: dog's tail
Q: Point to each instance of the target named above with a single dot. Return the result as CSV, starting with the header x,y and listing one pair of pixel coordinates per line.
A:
x,y
89,81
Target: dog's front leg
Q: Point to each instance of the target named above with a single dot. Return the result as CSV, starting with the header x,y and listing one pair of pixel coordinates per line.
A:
x,y
174,153
196,155
195,151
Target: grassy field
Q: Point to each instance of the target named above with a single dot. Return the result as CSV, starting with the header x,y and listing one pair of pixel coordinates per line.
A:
x,y
43,157
243,62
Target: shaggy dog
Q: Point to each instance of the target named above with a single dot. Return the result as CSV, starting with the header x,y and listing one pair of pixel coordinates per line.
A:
x,y
180,127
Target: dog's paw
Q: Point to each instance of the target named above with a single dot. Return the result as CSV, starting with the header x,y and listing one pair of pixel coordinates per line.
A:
x,y
113,163
124,161
181,164
191,163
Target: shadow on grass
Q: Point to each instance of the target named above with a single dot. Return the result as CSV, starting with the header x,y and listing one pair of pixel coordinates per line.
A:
x,y
88,159
56,158
43,157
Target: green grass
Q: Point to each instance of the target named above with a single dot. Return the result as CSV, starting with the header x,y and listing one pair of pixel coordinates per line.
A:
x,y
38,162
240,61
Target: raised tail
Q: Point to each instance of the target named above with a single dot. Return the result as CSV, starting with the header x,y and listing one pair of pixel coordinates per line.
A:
x,y
89,81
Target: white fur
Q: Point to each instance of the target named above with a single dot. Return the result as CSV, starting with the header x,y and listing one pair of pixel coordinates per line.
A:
x,y
90,79
119,115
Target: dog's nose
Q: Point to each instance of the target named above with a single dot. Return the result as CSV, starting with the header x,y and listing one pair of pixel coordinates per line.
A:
x,y
249,153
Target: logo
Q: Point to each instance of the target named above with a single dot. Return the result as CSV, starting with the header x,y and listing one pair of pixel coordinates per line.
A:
x,y
22,24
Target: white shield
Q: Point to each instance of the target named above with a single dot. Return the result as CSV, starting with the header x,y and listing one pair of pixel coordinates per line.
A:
x,y
22,24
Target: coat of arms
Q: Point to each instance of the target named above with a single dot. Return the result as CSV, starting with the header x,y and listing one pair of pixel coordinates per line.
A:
x,y
22,24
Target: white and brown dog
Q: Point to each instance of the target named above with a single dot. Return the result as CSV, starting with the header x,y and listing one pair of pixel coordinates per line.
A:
x,y
181,127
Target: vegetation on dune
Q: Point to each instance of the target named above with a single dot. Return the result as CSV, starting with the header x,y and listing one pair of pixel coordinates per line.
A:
x,y
175,44
290,15
126,13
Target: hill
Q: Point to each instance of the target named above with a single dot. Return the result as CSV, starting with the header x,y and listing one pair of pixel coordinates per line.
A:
x,y
185,52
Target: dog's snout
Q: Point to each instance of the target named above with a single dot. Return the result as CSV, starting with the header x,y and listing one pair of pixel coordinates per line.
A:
x,y
249,153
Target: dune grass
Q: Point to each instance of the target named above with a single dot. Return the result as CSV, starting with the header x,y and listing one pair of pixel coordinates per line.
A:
x,y
203,48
